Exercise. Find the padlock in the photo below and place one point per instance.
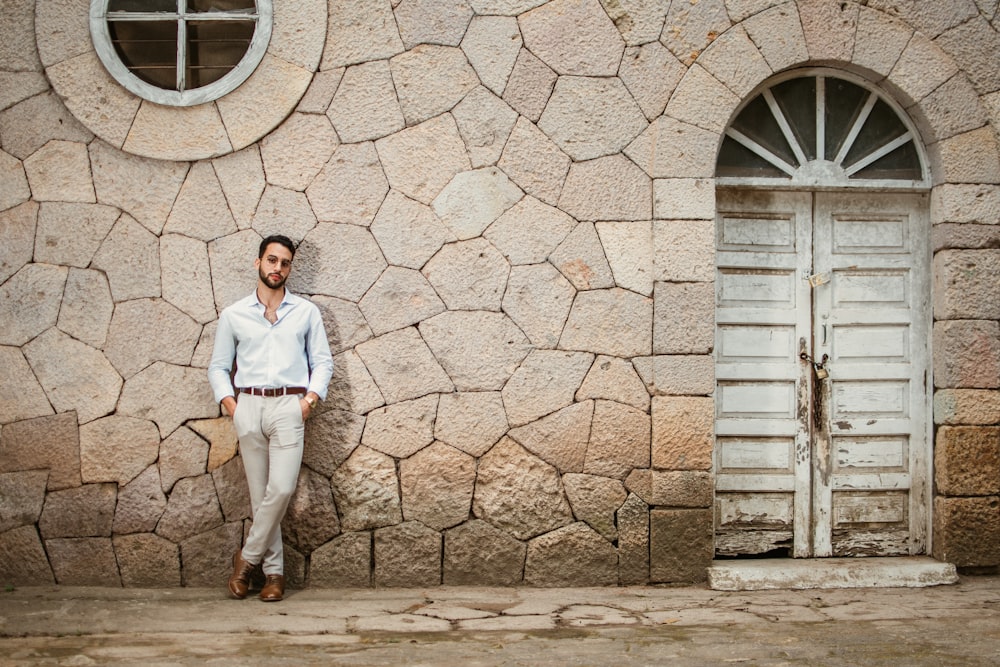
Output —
(822, 373)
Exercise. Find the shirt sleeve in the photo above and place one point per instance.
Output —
(221, 364)
(318, 354)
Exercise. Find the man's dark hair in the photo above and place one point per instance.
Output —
(280, 240)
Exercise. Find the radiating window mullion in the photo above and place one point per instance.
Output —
(786, 129)
(181, 52)
(859, 123)
(878, 154)
(820, 117)
(752, 145)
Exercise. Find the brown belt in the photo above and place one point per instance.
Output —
(271, 393)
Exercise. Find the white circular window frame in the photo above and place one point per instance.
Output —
(138, 126)
(231, 81)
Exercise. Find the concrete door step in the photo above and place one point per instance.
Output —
(768, 573)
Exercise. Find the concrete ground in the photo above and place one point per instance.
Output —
(467, 627)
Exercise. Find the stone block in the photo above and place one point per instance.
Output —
(24, 560)
(595, 500)
(296, 151)
(22, 495)
(130, 256)
(471, 421)
(538, 299)
(777, 32)
(965, 284)
(21, 395)
(51, 443)
(574, 555)
(561, 438)
(640, 483)
(534, 162)
(437, 484)
(485, 123)
(829, 28)
(682, 488)
(399, 298)
(115, 174)
(320, 93)
(683, 430)
(967, 354)
(967, 460)
(338, 260)
(613, 322)
(632, 519)
(407, 555)
(478, 554)
(491, 44)
(580, 258)
(29, 302)
(350, 188)
(678, 374)
(117, 449)
(959, 203)
(60, 172)
(201, 211)
(146, 330)
(629, 249)
(343, 562)
(288, 212)
(650, 72)
(967, 531)
(403, 367)
(479, 350)
(331, 436)
(529, 231)
(241, 175)
(614, 379)
(360, 32)
(469, 275)
(529, 86)
(353, 388)
(184, 133)
(965, 236)
(17, 222)
(573, 37)
(366, 490)
(681, 545)
(921, 68)
(971, 157)
(140, 503)
(32, 123)
(232, 268)
(683, 318)
(701, 99)
(735, 60)
(474, 199)
(87, 307)
(684, 250)
(192, 509)
(971, 42)
(930, 18)
(518, 492)
(689, 28)
(231, 487)
(684, 198)
(311, 519)
(421, 160)
(966, 406)
(83, 561)
(951, 109)
(402, 428)
(880, 40)
(670, 148)
(147, 561)
(546, 381)
(207, 558)
(430, 79)
(408, 232)
(591, 117)
(619, 440)
(607, 188)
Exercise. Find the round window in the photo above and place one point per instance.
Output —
(180, 52)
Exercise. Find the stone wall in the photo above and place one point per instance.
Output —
(505, 210)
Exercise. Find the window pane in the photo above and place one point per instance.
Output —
(844, 102)
(881, 127)
(148, 49)
(142, 6)
(220, 5)
(797, 101)
(903, 163)
(735, 160)
(757, 122)
(214, 48)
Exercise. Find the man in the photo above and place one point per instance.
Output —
(283, 367)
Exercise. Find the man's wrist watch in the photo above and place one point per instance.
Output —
(312, 402)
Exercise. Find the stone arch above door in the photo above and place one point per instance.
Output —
(924, 79)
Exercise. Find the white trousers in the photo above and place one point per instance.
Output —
(271, 433)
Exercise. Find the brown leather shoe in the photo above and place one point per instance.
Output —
(239, 582)
(274, 588)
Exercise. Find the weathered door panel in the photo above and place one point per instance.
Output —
(834, 466)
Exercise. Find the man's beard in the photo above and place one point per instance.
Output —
(267, 280)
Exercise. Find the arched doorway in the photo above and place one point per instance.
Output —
(822, 324)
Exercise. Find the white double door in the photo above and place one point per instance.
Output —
(834, 460)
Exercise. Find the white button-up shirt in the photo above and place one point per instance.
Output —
(292, 352)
